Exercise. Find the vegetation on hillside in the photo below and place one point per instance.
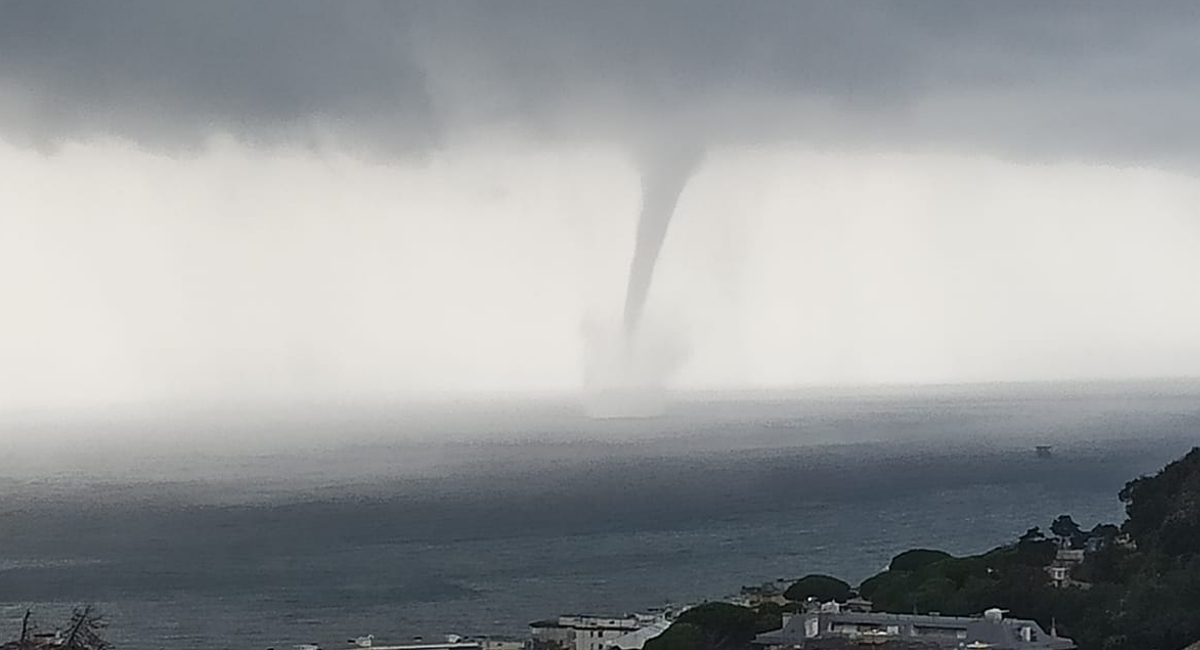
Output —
(1142, 593)
(1138, 587)
(716, 626)
(818, 587)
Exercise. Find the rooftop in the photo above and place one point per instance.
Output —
(993, 629)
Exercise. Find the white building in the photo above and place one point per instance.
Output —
(578, 632)
(637, 639)
(991, 630)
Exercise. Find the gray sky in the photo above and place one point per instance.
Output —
(1067, 79)
(291, 201)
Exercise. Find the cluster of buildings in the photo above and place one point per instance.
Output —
(1066, 560)
(1071, 554)
(767, 592)
(833, 626)
(579, 632)
(450, 642)
(828, 626)
(567, 632)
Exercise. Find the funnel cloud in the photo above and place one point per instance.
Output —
(302, 202)
(625, 376)
(665, 174)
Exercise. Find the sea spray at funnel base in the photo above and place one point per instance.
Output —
(626, 372)
(626, 378)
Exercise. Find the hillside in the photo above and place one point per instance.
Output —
(1137, 587)
(1130, 587)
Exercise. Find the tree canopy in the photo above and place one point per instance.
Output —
(716, 626)
(1164, 510)
(1138, 596)
(1034, 534)
(917, 558)
(1066, 530)
(820, 587)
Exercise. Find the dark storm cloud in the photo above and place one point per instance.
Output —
(169, 73)
(1109, 80)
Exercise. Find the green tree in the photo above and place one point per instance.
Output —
(680, 636)
(1164, 510)
(917, 558)
(1065, 528)
(714, 626)
(1032, 535)
(820, 587)
(1105, 533)
(885, 585)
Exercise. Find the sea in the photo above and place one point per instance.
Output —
(476, 519)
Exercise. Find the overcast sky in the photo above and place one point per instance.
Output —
(270, 202)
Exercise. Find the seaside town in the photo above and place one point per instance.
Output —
(849, 622)
(1071, 588)
(818, 612)
(809, 622)
(828, 625)
(1068, 587)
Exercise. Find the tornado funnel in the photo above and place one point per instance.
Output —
(665, 172)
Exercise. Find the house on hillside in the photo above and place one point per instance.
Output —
(636, 640)
(767, 592)
(1065, 561)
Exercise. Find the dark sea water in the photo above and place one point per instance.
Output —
(502, 516)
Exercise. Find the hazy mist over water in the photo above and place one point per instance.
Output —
(366, 441)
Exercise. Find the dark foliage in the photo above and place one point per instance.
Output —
(1066, 530)
(917, 558)
(1034, 534)
(717, 626)
(821, 587)
(1139, 596)
(1164, 510)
